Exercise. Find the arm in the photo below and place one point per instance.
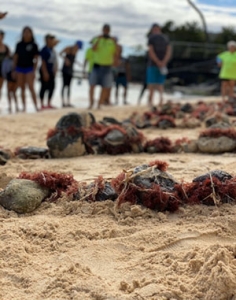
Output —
(44, 71)
(3, 15)
(153, 56)
(63, 52)
(167, 56)
(95, 45)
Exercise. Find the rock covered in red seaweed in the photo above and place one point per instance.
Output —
(219, 174)
(66, 140)
(149, 185)
(217, 140)
(158, 145)
(56, 183)
(98, 190)
(113, 139)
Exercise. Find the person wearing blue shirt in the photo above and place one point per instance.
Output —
(48, 70)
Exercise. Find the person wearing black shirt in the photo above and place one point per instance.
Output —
(69, 55)
(25, 63)
(48, 70)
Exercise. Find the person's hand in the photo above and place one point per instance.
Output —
(3, 15)
(162, 64)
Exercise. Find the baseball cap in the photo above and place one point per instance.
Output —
(79, 44)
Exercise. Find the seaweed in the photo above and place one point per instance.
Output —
(160, 144)
(218, 132)
(57, 183)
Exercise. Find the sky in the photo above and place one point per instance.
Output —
(72, 20)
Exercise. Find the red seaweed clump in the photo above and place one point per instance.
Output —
(159, 145)
(166, 118)
(210, 191)
(148, 185)
(218, 132)
(57, 183)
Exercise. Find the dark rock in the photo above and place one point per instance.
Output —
(22, 196)
(216, 145)
(164, 124)
(32, 153)
(4, 156)
(221, 175)
(64, 145)
(149, 175)
(68, 140)
(187, 108)
(135, 138)
(114, 137)
(110, 120)
(108, 193)
(75, 120)
(216, 119)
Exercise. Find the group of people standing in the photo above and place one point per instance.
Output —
(106, 65)
(19, 69)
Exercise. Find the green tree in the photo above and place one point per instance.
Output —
(227, 34)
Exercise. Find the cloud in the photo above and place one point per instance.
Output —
(83, 19)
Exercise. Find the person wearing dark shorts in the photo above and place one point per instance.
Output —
(25, 63)
(69, 55)
(48, 71)
(4, 52)
(159, 52)
(105, 51)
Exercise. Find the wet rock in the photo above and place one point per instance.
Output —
(217, 118)
(68, 138)
(165, 124)
(32, 152)
(110, 120)
(75, 120)
(147, 175)
(22, 196)
(135, 138)
(187, 108)
(5, 155)
(219, 174)
(216, 145)
(190, 123)
(115, 137)
(221, 125)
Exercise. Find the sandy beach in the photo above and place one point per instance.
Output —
(76, 250)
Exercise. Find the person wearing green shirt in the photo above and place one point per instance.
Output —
(105, 52)
(227, 62)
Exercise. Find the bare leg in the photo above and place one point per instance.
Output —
(9, 91)
(117, 94)
(91, 96)
(125, 96)
(223, 90)
(14, 87)
(151, 88)
(1, 84)
(104, 96)
(21, 84)
(160, 88)
(30, 82)
(231, 89)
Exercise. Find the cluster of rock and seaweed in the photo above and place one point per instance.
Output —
(149, 185)
(80, 134)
